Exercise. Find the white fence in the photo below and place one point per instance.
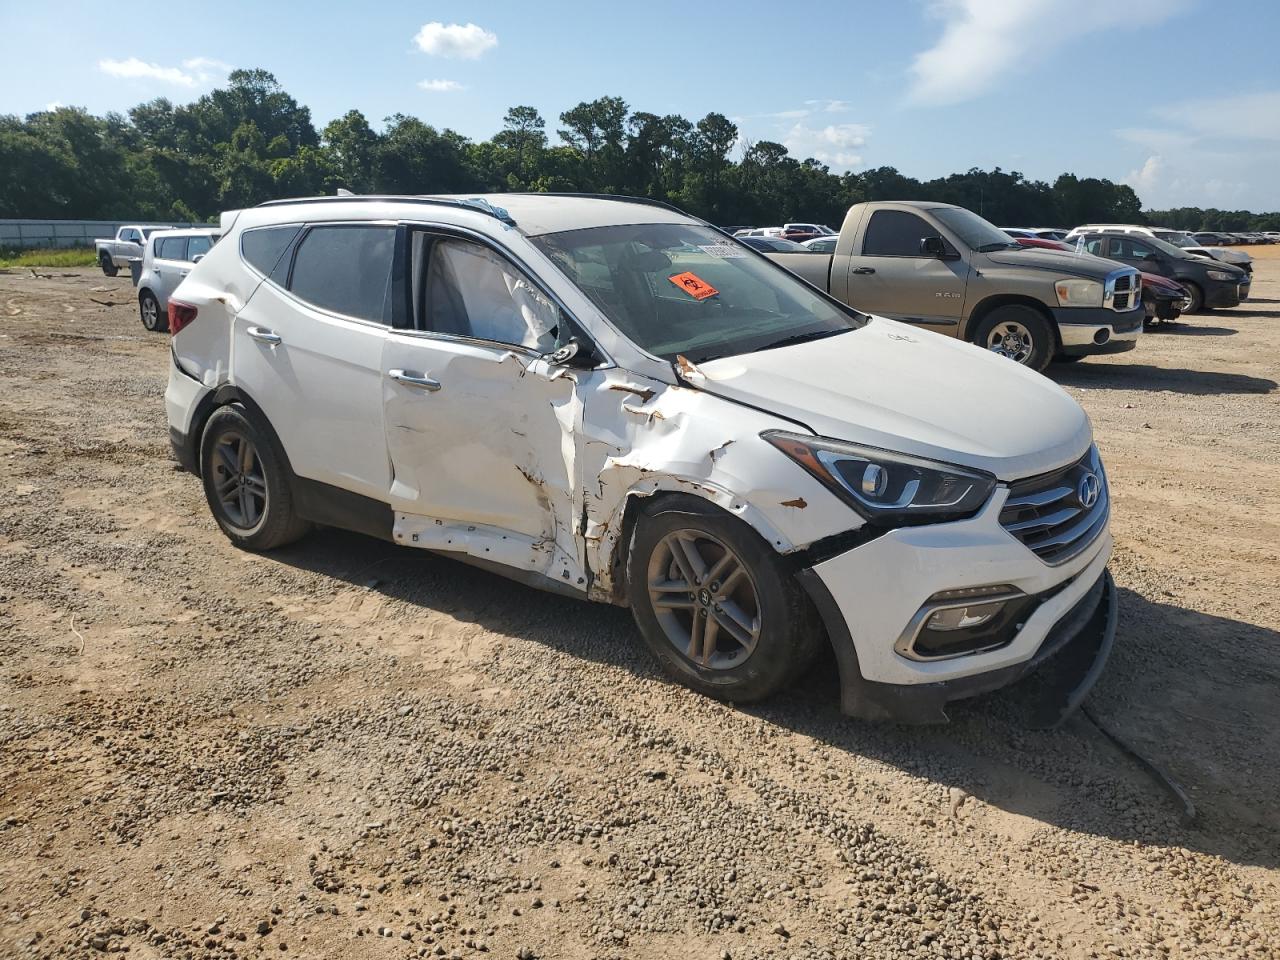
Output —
(22, 234)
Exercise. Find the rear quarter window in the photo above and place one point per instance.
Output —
(263, 249)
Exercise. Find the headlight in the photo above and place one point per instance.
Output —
(1078, 292)
(1220, 275)
(888, 486)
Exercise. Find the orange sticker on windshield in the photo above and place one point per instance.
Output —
(694, 286)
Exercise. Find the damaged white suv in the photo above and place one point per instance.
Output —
(612, 399)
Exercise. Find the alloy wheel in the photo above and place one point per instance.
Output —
(1011, 339)
(239, 482)
(150, 312)
(704, 598)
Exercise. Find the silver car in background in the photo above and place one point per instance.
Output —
(167, 258)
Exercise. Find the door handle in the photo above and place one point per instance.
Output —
(864, 269)
(183, 273)
(263, 335)
(414, 380)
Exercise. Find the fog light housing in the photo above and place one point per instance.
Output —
(953, 623)
(963, 618)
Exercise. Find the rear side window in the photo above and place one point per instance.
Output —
(196, 246)
(262, 248)
(171, 248)
(345, 269)
(895, 233)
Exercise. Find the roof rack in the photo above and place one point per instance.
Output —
(478, 204)
(647, 201)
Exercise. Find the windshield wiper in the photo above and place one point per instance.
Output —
(804, 338)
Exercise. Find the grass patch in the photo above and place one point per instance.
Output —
(48, 258)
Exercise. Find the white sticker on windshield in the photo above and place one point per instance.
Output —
(725, 251)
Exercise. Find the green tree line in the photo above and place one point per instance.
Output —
(250, 141)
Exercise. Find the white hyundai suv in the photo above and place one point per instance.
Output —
(612, 399)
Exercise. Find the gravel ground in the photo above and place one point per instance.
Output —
(348, 749)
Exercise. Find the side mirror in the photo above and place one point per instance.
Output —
(1150, 256)
(136, 240)
(197, 258)
(932, 247)
(578, 354)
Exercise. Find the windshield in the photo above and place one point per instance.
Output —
(681, 289)
(148, 231)
(1176, 238)
(976, 233)
(1165, 247)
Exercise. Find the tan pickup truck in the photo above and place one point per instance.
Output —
(945, 268)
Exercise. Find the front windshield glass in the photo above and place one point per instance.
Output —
(683, 289)
(1177, 239)
(977, 233)
(1164, 246)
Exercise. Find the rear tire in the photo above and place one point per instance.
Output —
(744, 628)
(1019, 333)
(109, 268)
(149, 310)
(246, 482)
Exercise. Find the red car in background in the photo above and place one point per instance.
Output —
(1162, 298)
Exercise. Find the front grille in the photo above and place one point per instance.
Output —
(1122, 291)
(1048, 512)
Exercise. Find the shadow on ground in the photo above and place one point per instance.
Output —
(1194, 693)
(1142, 376)
(1185, 329)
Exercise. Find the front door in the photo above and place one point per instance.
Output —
(890, 276)
(480, 429)
(1138, 254)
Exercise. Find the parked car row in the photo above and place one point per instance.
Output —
(614, 400)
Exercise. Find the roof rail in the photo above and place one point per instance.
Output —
(479, 204)
(647, 201)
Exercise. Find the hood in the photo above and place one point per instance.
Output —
(1066, 262)
(1228, 255)
(893, 386)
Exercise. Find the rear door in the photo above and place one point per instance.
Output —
(307, 348)
(168, 266)
(889, 276)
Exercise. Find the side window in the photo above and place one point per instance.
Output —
(129, 235)
(895, 233)
(262, 249)
(1137, 250)
(470, 291)
(345, 269)
(1094, 246)
(198, 246)
(171, 248)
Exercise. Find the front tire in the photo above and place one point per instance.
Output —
(149, 311)
(1196, 295)
(247, 483)
(715, 604)
(109, 268)
(1019, 333)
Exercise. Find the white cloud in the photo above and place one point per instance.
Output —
(455, 40)
(441, 86)
(1248, 116)
(199, 70)
(54, 105)
(1147, 178)
(829, 106)
(836, 144)
(135, 69)
(983, 40)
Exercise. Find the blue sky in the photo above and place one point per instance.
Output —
(1179, 98)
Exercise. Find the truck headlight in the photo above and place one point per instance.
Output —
(882, 485)
(1078, 292)
(1219, 275)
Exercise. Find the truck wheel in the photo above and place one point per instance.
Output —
(1019, 333)
(717, 608)
(247, 483)
(149, 309)
(1195, 295)
(104, 261)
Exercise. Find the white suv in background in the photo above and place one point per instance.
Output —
(167, 258)
(611, 399)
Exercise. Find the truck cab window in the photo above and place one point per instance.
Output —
(895, 233)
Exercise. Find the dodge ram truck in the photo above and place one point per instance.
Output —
(116, 252)
(946, 269)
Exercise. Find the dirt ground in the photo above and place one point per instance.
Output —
(349, 749)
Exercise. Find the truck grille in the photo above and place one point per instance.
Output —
(1123, 290)
(1048, 513)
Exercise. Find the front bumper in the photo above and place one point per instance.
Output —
(867, 595)
(1088, 331)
